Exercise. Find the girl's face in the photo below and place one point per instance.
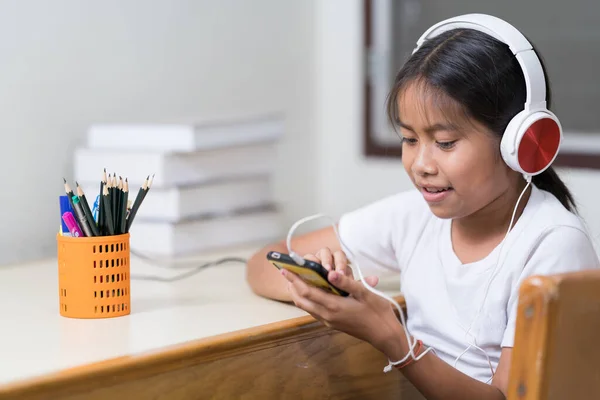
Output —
(453, 160)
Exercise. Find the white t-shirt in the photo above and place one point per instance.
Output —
(443, 295)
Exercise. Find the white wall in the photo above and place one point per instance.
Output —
(585, 187)
(346, 178)
(66, 64)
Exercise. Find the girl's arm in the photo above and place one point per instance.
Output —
(436, 379)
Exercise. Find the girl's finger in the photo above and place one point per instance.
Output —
(317, 296)
(325, 258)
(314, 309)
(341, 281)
(341, 263)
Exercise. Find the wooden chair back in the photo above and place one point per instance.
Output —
(557, 339)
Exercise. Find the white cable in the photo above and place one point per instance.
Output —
(169, 262)
(299, 260)
(187, 274)
(492, 276)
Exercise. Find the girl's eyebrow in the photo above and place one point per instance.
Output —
(431, 129)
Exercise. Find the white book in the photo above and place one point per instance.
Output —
(179, 203)
(175, 169)
(185, 136)
(163, 239)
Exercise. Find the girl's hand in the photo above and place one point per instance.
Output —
(362, 314)
(331, 261)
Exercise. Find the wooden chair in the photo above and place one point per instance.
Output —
(557, 339)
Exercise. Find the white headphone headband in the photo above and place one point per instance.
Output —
(535, 80)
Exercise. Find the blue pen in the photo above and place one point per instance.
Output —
(65, 206)
(95, 208)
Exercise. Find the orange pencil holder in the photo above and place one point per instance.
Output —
(93, 276)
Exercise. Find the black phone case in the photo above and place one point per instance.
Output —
(277, 257)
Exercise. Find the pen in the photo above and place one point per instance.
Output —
(65, 205)
(72, 224)
(95, 208)
(80, 214)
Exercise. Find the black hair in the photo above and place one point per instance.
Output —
(481, 75)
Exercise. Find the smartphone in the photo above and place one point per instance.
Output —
(311, 272)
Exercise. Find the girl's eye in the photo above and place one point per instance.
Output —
(409, 140)
(446, 145)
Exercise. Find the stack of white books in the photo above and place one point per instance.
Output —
(212, 184)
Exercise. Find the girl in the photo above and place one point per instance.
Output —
(463, 241)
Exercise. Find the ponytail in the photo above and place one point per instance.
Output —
(551, 182)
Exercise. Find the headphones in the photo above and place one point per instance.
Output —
(533, 137)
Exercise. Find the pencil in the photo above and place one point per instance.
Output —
(150, 180)
(119, 206)
(129, 204)
(69, 192)
(116, 203)
(101, 218)
(87, 211)
(148, 189)
(123, 210)
(150, 183)
(107, 211)
(113, 198)
(136, 204)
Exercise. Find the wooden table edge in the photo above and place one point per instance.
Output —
(169, 358)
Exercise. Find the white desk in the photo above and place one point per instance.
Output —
(36, 340)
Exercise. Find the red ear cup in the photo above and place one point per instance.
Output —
(539, 145)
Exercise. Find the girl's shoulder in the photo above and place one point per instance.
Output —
(548, 213)
(556, 236)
